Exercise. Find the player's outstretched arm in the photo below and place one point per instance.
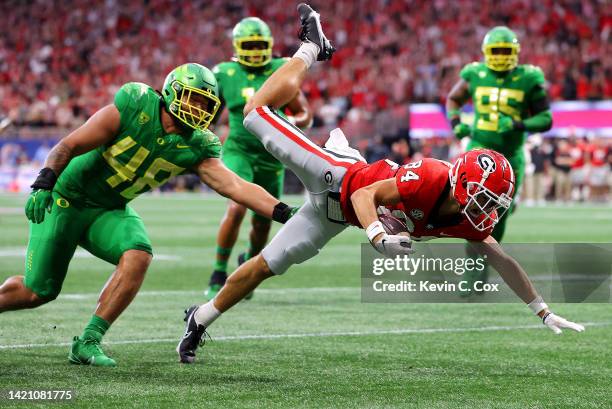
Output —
(284, 84)
(225, 182)
(516, 278)
(98, 130)
(365, 201)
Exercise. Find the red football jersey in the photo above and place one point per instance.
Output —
(599, 156)
(423, 187)
(578, 152)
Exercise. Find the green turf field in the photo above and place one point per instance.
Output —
(305, 340)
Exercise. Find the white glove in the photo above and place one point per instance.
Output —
(393, 245)
(390, 245)
(555, 323)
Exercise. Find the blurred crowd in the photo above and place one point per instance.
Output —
(60, 61)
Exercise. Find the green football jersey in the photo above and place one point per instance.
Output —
(236, 85)
(141, 157)
(510, 94)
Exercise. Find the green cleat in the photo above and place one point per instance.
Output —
(88, 352)
(212, 291)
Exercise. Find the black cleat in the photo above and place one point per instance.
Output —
(192, 339)
(311, 31)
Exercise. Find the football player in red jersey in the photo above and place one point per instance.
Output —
(463, 200)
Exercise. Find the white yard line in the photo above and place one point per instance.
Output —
(81, 296)
(315, 335)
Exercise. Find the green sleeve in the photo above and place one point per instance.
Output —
(541, 120)
(127, 99)
(536, 84)
(536, 76)
(210, 146)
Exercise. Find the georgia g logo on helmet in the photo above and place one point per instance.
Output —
(486, 163)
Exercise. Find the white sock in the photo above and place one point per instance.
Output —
(308, 53)
(207, 314)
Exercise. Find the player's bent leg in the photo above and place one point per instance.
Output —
(241, 283)
(282, 86)
(300, 239)
(284, 83)
(116, 295)
(123, 285)
(14, 295)
(258, 237)
(316, 168)
(51, 245)
(119, 237)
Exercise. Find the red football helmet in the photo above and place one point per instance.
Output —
(483, 184)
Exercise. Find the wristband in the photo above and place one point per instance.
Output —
(281, 213)
(537, 305)
(374, 230)
(46, 179)
(453, 113)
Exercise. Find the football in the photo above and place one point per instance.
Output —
(392, 224)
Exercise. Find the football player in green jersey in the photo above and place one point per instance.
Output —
(509, 101)
(80, 196)
(242, 152)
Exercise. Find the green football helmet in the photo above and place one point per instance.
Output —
(190, 95)
(501, 49)
(253, 42)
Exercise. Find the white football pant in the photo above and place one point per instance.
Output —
(320, 170)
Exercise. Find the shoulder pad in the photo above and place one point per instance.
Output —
(536, 74)
(131, 95)
(222, 67)
(207, 143)
(468, 70)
